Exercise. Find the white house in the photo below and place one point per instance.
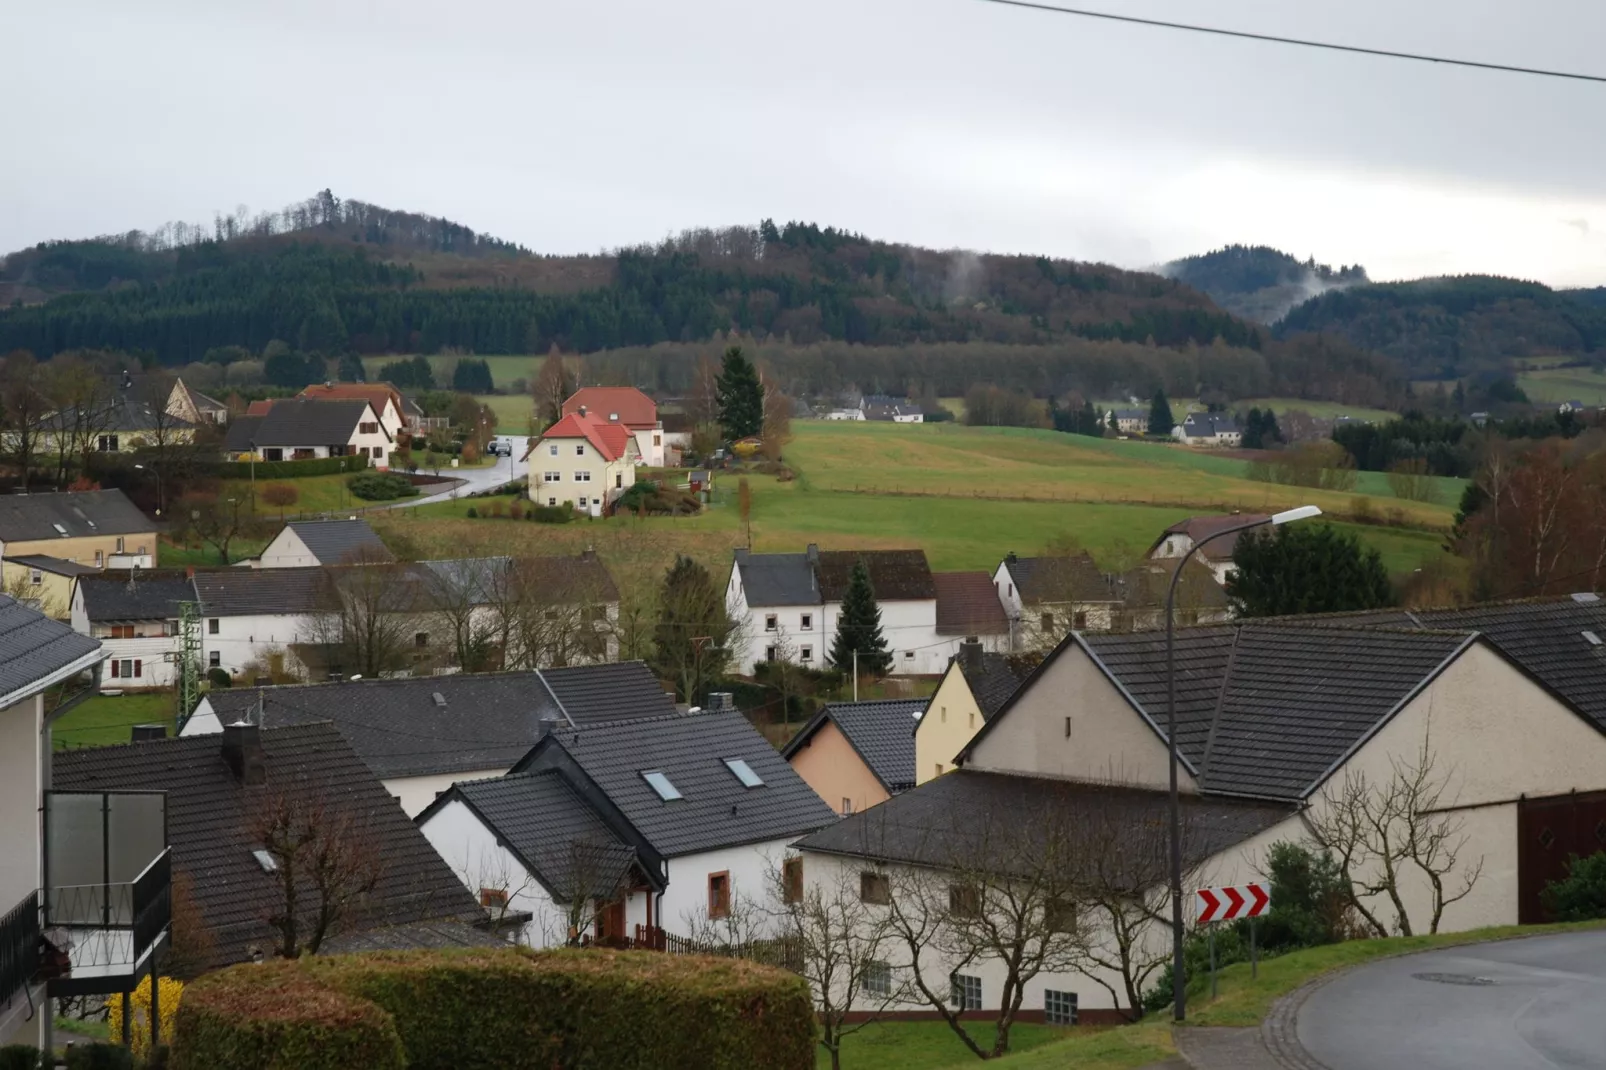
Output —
(1183, 537)
(135, 616)
(629, 830)
(421, 734)
(1128, 421)
(885, 409)
(305, 543)
(302, 428)
(790, 604)
(252, 618)
(1503, 706)
(1047, 596)
(1208, 429)
(385, 400)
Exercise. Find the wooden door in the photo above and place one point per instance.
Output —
(611, 921)
(1549, 832)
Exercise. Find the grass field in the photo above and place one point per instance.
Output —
(512, 412)
(504, 368)
(1321, 409)
(103, 719)
(922, 1045)
(1556, 385)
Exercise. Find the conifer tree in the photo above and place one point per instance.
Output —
(741, 396)
(1305, 569)
(859, 627)
(1160, 420)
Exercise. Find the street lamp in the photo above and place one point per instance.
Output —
(1179, 994)
(158, 471)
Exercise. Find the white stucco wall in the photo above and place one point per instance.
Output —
(21, 797)
(154, 654)
(473, 853)
(416, 792)
(240, 640)
(287, 550)
(686, 896)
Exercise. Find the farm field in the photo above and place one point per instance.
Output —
(504, 367)
(1564, 384)
(1321, 409)
(512, 411)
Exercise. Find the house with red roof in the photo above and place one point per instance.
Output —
(584, 460)
(628, 407)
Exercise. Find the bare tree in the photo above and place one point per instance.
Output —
(214, 520)
(24, 411)
(374, 607)
(21, 587)
(552, 387)
(324, 864)
(456, 594)
(83, 399)
(702, 401)
(777, 427)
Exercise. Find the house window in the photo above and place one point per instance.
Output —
(580, 450)
(805, 653)
(119, 544)
(212, 626)
(972, 717)
(908, 655)
(1059, 1008)
(875, 888)
(1059, 916)
(368, 427)
(939, 769)
(128, 668)
(657, 440)
(719, 895)
(806, 622)
(877, 979)
(552, 501)
(618, 480)
(847, 806)
(553, 450)
(36, 577)
(769, 653)
(584, 501)
(1080, 620)
(420, 638)
(944, 713)
(582, 477)
(100, 559)
(108, 443)
(744, 772)
(379, 451)
(214, 660)
(792, 880)
(965, 993)
(661, 784)
(552, 477)
(769, 622)
(122, 631)
(1012, 590)
(493, 897)
(964, 900)
(1048, 622)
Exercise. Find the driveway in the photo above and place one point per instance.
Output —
(1532, 1004)
(505, 470)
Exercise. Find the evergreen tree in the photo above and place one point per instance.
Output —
(1305, 569)
(690, 638)
(472, 377)
(859, 627)
(741, 396)
(351, 370)
(1160, 421)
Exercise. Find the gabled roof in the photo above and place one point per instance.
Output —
(967, 604)
(894, 574)
(608, 692)
(883, 407)
(376, 394)
(610, 440)
(715, 809)
(1059, 579)
(633, 408)
(777, 579)
(335, 542)
(29, 517)
(210, 813)
(56, 565)
(199, 400)
(35, 649)
(882, 733)
(125, 414)
(1200, 528)
(299, 422)
(997, 679)
(238, 592)
(136, 595)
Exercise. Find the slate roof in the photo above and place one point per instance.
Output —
(135, 596)
(571, 579)
(777, 579)
(634, 408)
(881, 733)
(199, 400)
(238, 592)
(126, 415)
(716, 810)
(299, 422)
(894, 574)
(335, 542)
(29, 517)
(561, 839)
(45, 563)
(608, 692)
(1200, 424)
(967, 604)
(32, 647)
(968, 817)
(413, 936)
(1070, 578)
(1268, 710)
(998, 678)
(1200, 528)
(883, 407)
(210, 813)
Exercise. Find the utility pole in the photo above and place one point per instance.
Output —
(189, 666)
(855, 674)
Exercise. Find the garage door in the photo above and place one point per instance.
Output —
(1549, 832)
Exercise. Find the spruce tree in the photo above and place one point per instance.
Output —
(1160, 421)
(1305, 568)
(351, 370)
(859, 627)
(741, 396)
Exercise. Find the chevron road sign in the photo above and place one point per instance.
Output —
(1232, 902)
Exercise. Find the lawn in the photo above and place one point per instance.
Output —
(925, 1044)
(103, 719)
(513, 412)
(1555, 385)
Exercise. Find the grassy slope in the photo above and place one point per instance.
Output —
(103, 719)
(1320, 409)
(1564, 384)
(920, 1045)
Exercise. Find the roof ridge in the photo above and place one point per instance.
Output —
(1221, 701)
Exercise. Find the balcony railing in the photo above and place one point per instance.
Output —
(19, 948)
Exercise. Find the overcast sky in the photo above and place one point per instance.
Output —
(570, 127)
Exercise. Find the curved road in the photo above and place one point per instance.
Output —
(505, 470)
(1532, 1004)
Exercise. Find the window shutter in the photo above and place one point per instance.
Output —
(136, 666)
(114, 668)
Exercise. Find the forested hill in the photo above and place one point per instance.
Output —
(1450, 327)
(1257, 282)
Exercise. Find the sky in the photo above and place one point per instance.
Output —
(581, 126)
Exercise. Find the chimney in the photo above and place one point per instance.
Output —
(143, 732)
(1010, 558)
(812, 554)
(970, 660)
(242, 749)
(721, 700)
(582, 410)
(550, 723)
(189, 572)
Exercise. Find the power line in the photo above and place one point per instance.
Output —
(1300, 42)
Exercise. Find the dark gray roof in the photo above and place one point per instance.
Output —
(127, 415)
(200, 400)
(968, 818)
(135, 595)
(777, 579)
(715, 810)
(565, 843)
(56, 565)
(237, 592)
(1067, 578)
(335, 542)
(1268, 710)
(210, 814)
(27, 517)
(894, 574)
(999, 678)
(413, 936)
(298, 422)
(32, 647)
(609, 692)
(882, 733)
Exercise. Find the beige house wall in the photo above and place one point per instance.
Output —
(582, 472)
(53, 591)
(829, 764)
(1074, 723)
(952, 717)
(82, 550)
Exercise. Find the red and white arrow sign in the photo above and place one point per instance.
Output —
(1231, 902)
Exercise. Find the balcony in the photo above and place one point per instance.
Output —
(108, 879)
(19, 950)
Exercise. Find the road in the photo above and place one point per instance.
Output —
(1532, 1004)
(505, 470)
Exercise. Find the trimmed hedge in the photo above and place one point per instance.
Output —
(381, 486)
(321, 466)
(569, 1009)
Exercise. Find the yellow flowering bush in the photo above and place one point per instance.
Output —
(140, 1007)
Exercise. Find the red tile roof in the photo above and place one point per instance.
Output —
(260, 408)
(376, 394)
(967, 604)
(633, 408)
(610, 440)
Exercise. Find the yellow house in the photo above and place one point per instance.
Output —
(857, 754)
(43, 583)
(976, 686)
(583, 461)
(101, 528)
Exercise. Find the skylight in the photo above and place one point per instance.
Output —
(1592, 639)
(268, 863)
(660, 783)
(60, 530)
(744, 773)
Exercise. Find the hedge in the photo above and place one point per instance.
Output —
(320, 466)
(568, 1009)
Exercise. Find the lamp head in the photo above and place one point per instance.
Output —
(1304, 512)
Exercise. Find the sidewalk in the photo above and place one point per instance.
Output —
(1272, 1045)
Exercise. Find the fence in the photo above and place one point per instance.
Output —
(19, 948)
(782, 952)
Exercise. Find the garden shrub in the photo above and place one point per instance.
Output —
(381, 486)
(473, 513)
(139, 1032)
(320, 466)
(551, 514)
(578, 1010)
(1581, 895)
(19, 1057)
(219, 677)
(99, 1056)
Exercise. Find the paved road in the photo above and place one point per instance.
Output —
(1532, 1004)
(505, 470)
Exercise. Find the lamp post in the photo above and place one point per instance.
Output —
(157, 469)
(1179, 994)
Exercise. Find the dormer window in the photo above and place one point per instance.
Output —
(744, 773)
(661, 784)
(613, 417)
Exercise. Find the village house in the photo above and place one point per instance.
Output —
(977, 684)
(885, 409)
(1044, 597)
(968, 606)
(790, 604)
(643, 829)
(135, 616)
(421, 734)
(251, 617)
(126, 423)
(383, 398)
(629, 407)
(101, 528)
(1208, 429)
(1185, 536)
(306, 543)
(582, 460)
(194, 407)
(1499, 710)
(45, 583)
(300, 429)
(857, 754)
(1127, 421)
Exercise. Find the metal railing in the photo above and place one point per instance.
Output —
(152, 903)
(19, 948)
(781, 952)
